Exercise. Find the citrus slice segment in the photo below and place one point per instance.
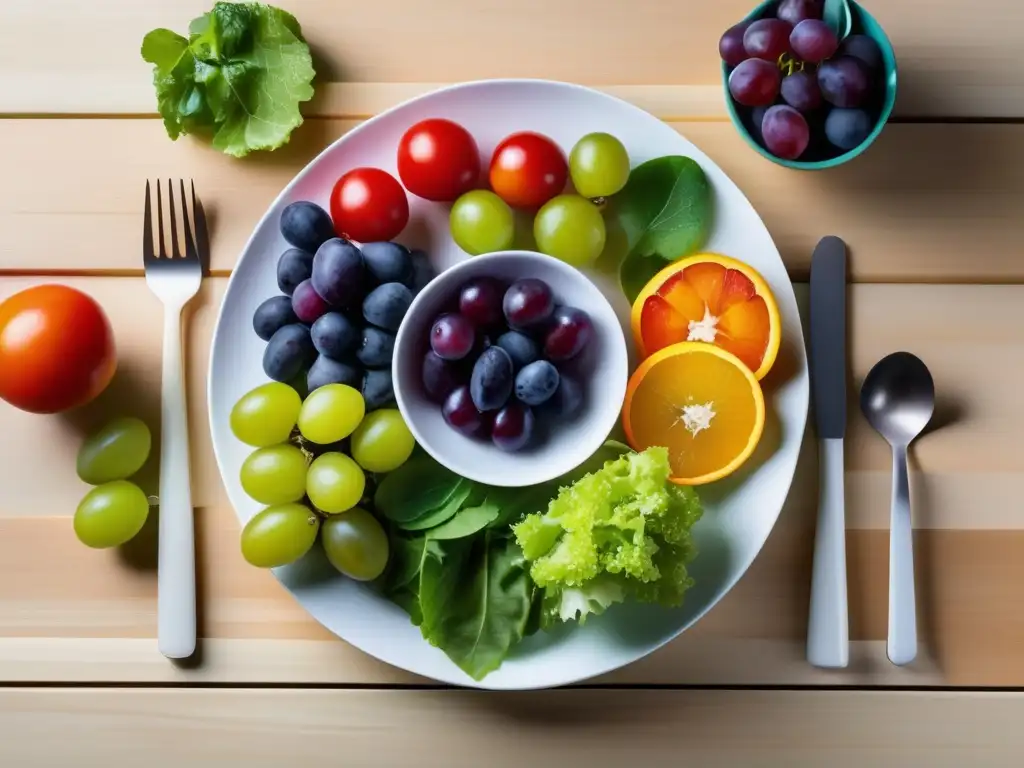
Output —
(712, 299)
(699, 401)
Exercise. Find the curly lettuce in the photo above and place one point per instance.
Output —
(620, 532)
(238, 78)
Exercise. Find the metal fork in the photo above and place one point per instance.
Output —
(175, 280)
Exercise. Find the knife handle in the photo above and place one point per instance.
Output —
(828, 636)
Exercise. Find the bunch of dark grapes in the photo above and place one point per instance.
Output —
(803, 94)
(339, 308)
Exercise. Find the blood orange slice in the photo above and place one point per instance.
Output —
(713, 299)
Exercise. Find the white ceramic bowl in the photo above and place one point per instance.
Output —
(602, 369)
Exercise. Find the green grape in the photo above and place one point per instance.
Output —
(598, 165)
(383, 442)
(111, 514)
(266, 415)
(330, 413)
(275, 474)
(482, 222)
(570, 228)
(335, 482)
(115, 452)
(279, 535)
(356, 544)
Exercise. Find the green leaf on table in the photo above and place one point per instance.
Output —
(466, 522)
(665, 212)
(443, 513)
(237, 80)
(415, 488)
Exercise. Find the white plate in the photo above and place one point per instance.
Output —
(740, 511)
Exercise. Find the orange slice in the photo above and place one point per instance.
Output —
(699, 401)
(712, 299)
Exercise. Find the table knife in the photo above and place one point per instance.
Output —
(828, 640)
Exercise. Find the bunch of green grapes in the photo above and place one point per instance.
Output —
(309, 469)
(114, 511)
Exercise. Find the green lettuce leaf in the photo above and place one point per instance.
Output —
(238, 79)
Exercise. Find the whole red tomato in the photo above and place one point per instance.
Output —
(527, 170)
(438, 160)
(369, 205)
(56, 349)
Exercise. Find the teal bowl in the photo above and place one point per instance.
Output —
(863, 24)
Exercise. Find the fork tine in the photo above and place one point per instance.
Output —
(175, 253)
(160, 221)
(190, 246)
(147, 229)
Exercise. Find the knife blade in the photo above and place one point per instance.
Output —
(828, 643)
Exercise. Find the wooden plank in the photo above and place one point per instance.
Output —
(911, 208)
(90, 727)
(954, 63)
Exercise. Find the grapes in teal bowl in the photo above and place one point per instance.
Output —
(810, 84)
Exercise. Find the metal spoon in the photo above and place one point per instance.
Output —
(898, 399)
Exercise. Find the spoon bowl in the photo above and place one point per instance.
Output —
(898, 397)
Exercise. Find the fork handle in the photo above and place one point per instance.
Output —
(176, 574)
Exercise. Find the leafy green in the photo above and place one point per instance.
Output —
(419, 486)
(665, 211)
(618, 532)
(443, 513)
(238, 78)
(467, 521)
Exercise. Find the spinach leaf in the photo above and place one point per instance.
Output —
(237, 80)
(466, 522)
(488, 610)
(443, 513)
(414, 489)
(404, 562)
(443, 569)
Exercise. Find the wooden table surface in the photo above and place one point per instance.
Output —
(932, 217)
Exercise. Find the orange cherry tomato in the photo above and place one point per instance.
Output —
(528, 169)
(56, 349)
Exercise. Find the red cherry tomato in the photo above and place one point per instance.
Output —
(527, 170)
(438, 160)
(56, 349)
(369, 205)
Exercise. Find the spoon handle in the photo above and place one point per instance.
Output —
(902, 644)
(828, 638)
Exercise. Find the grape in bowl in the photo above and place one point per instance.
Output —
(441, 419)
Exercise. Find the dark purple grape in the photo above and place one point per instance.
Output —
(520, 347)
(272, 314)
(386, 305)
(755, 83)
(536, 383)
(795, 11)
(376, 349)
(307, 303)
(800, 90)
(460, 413)
(844, 82)
(293, 267)
(847, 128)
(452, 336)
(388, 262)
(785, 131)
(513, 427)
(863, 48)
(480, 301)
(288, 352)
(813, 40)
(570, 331)
(334, 335)
(338, 273)
(730, 47)
(439, 377)
(756, 118)
(566, 401)
(491, 381)
(767, 39)
(528, 302)
(378, 389)
(327, 370)
(422, 271)
(306, 225)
